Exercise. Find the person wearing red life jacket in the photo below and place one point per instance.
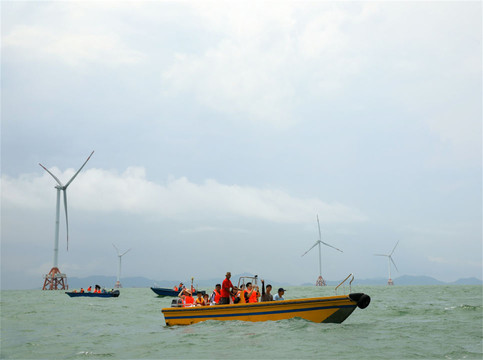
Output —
(251, 293)
(188, 299)
(215, 297)
(89, 289)
(179, 288)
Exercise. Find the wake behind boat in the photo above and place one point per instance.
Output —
(112, 293)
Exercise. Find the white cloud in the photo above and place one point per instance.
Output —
(130, 192)
(255, 65)
(74, 48)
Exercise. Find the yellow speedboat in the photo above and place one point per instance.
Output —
(329, 309)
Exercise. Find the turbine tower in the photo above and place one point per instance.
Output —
(320, 280)
(118, 283)
(389, 260)
(55, 280)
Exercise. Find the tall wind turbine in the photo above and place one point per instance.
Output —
(320, 280)
(55, 279)
(389, 260)
(118, 283)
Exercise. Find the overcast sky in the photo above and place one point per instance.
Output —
(221, 130)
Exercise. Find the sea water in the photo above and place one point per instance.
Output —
(402, 322)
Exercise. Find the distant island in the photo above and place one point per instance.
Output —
(140, 282)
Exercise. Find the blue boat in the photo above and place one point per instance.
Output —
(170, 292)
(113, 293)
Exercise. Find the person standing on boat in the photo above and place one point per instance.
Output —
(266, 296)
(279, 296)
(226, 289)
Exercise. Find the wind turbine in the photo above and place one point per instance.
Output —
(118, 283)
(389, 260)
(55, 278)
(320, 280)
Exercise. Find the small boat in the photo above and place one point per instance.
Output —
(328, 309)
(170, 292)
(112, 293)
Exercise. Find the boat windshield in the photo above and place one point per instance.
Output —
(243, 280)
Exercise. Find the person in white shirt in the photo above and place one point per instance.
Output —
(279, 295)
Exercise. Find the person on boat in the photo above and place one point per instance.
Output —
(279, 295)
(235, 296)
(179, 288)
(226, 289)
(251, 293)
(266, 296)
(215, 297)
(206, 300)
(89, 289)
(199, 299)
(82, 290)
(188, 299)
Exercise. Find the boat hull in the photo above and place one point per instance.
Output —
(114, 293)
(332, 309)
(169, 292)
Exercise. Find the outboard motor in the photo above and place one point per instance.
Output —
(361, 299)
(176, 303)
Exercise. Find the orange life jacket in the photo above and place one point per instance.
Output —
(175, 288)
(241, 294)
(89, 288)
(253, 297)
(217, 297)
(188, 300)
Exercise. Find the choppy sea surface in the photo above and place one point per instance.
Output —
(402, 322)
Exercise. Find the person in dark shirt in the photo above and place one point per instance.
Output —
(266, 296)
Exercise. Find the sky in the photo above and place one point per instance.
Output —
(222, 129)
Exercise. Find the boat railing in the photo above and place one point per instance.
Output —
(343, 281)
(243, 280)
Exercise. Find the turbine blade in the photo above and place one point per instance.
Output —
(66, 218)
(380, 255)
(317, 243)
(394, 247)
(333, 247)
(125, 252)
(58, 181)
(318, 224)
(115, 247)
(78, 171)
(393, 263)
